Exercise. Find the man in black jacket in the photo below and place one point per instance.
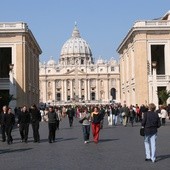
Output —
(52, 119)
(151, 122)
(23, 124)
(35, 119)
(9, 121)
(2, 123)
(70, 112)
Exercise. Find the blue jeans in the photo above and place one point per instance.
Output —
(150, 146)
(86, 132)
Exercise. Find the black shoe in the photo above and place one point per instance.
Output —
(147, 159)
(50, 141)
(3, 140)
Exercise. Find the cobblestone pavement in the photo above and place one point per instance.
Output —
(119, 148)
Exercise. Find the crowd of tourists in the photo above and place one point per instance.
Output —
(89, 116)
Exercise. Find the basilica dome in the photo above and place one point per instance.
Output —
(76, 48)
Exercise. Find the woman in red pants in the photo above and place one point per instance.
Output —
(95, 118)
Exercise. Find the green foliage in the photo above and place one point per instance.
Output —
(163, 96)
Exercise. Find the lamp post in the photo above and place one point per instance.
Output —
(154, 84)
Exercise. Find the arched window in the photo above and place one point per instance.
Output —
(113, 93)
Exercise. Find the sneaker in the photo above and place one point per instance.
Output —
(147, 159)
(85, 142)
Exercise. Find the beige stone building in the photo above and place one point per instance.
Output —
(77, 78)
(19, 64)
(145, 61)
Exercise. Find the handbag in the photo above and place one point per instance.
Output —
(81, 120)
(142, 131)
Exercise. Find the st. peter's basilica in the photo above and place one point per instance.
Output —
(77, 78)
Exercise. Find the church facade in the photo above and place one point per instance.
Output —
(77, 78)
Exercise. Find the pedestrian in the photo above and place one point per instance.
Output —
(70, 112)
(164, 115)
(52, 119)
(150, 123)
(125, 115)
(9, 121)
(132, 115)
(2, 115)
(35, 116)
(58, 112)
(23, 124)
(85, 116)
(96, 118)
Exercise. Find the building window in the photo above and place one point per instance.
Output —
(93, 96)
(68, 70)
(49, 71)
(68, 97)
(82, 61)
(58, 97)
(101, 70)
(92, 69)
(82, 69)
(112, 68)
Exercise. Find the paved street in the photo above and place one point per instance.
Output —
(119, 148)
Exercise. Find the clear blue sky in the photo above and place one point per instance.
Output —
(102, 23)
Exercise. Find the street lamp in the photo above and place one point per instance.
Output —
(154, 84)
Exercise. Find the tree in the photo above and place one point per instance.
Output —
(163, 96)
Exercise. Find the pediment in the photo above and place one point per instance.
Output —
(73, 72)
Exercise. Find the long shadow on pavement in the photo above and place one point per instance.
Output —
(162, 157)
(107, 140)
(3, 151)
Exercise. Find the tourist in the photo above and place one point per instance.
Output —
(4, 111)
(9, 121)
(95, 118)
(52, 119)
(150, 122)
(70, 113)
(164, 115)
(132, 115)
(58, 112)
(125, 114)
(85, 116)
(23, 124)
(35, 119)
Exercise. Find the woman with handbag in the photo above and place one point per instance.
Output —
(85, 120)
(150, 122)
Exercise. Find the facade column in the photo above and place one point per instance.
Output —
(97, 90)
(62, 90)
(65, 90)
(88, 91)
(118, 89)
(85, 89)
(107, 90)
(71, 89)
(54, 91)
(79, 88)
